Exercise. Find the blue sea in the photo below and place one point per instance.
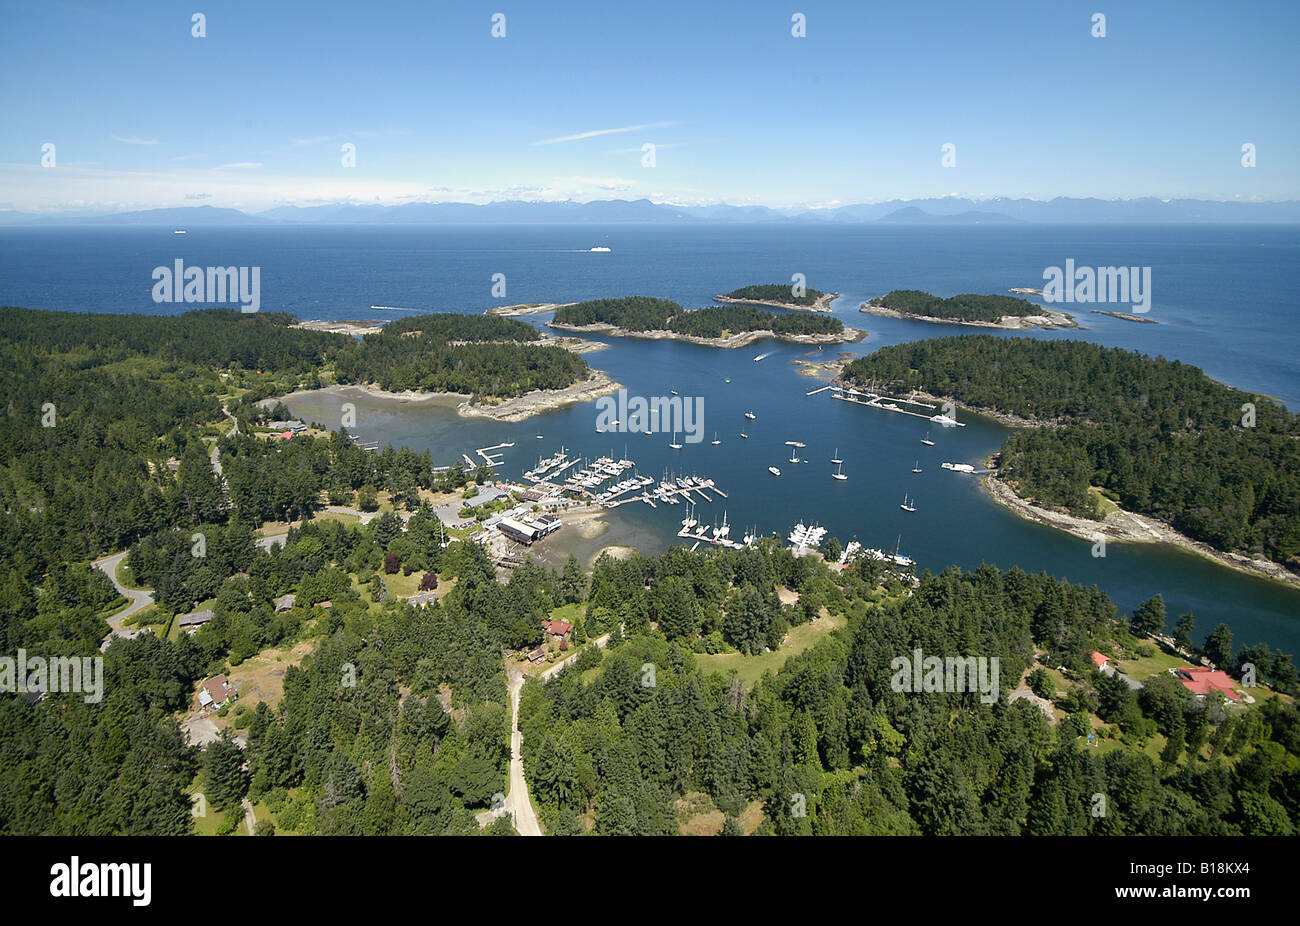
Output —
(1225, 299)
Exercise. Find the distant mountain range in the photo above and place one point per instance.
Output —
(643, 211)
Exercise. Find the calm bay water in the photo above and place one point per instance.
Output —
(1224, 298)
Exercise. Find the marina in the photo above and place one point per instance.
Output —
(892, 404)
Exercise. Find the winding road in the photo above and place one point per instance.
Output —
(140, 598)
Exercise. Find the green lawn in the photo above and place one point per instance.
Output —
(124, 576)
(751, 668)
(1141, 668)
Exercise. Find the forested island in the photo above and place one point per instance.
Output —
(716, 326)
(781, 296)
(991, 311)
(1110, 426)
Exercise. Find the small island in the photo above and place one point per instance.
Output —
(1128, 317)
(779, 296)
(971, 309)
(713, 326)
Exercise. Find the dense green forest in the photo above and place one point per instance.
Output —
(396, 720)
(775, 292)
(1160, 437)
(645, 313)
(969, 307)
(828, 746)
(97, 405)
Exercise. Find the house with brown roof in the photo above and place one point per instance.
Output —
(216, 692)
(557, 630)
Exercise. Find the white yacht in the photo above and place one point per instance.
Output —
(774, 471)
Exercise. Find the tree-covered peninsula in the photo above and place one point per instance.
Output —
(1158, 437)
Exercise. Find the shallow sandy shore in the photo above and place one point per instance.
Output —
(542, 400)
(823, 303)
(829, 370)
(527, 308)
(346, 327)
(516, 409)
(740, 339)
(1125, 527)
(1048, 319)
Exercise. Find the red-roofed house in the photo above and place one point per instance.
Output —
(1201, 680)
(557, 629)
(1098, 660)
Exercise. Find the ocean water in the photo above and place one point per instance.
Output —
(1224, 299)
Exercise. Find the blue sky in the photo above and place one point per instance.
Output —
(142, 114)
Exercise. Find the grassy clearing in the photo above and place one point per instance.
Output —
(1141, 668)
(567, 612)
(751, 668)
(125, 578)
(1102, 501)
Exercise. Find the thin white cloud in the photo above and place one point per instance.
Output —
(240, 165)
(598, 132)
(131, 140)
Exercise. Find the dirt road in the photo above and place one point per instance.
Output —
(518, 804)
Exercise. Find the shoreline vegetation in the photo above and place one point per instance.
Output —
(729, 342)
(968, 309)
(1123, 526)
(1082, 456)
(814, 300)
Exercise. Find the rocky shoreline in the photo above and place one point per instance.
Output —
(1123, 526)
(822, 303)
(1127, 316)
(739, 339)
(1048, 319)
